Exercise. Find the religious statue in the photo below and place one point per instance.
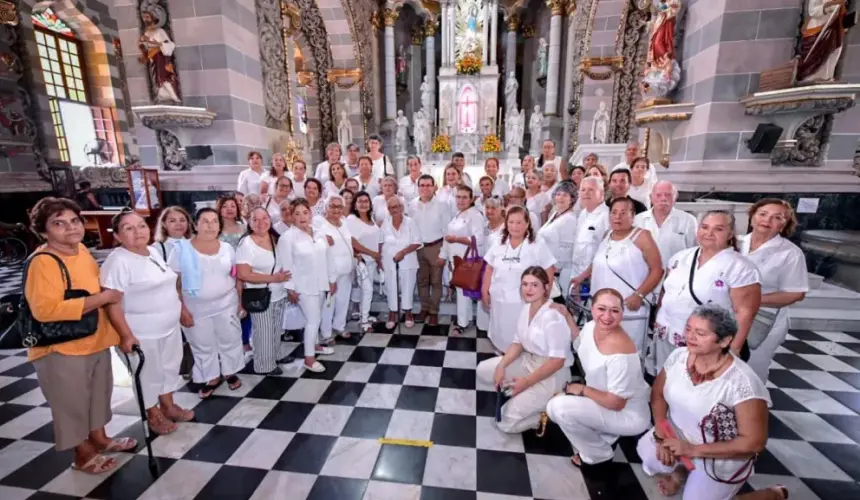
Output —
(536, 130)
(515, 124)
(542, 57)
(426, 96)
(344, 130)
(156, 51)
(421, 132)
(662, 71)
(822, 40)
(400, 66)
(468, 25)
(600, 125)
(511, 87)
(401, 136)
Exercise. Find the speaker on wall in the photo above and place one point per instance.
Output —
(198, 152)
(764, 138)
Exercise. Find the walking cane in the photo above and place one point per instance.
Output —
(153, 465)
(397, 277)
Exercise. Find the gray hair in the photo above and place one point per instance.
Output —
(497, 202)
(721, 320)
(566, 187)
(597, 181)
(391, 179)
(333, 197)
(671, 185)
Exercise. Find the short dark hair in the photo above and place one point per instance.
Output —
(208, 210)
(252, 154)
(426, 177)
(318, 184)
(85, 185)
(458, 155)
(47, 207)
(623, 199)
(622, 171)
(117, 219)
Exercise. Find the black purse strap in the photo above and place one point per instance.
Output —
(67, 279)
(693, 275)
(609, 237)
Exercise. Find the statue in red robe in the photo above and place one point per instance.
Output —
(661, 45)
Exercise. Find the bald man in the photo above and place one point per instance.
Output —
(673, 229)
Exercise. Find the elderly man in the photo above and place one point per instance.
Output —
(591, 226)
(633, 151)
(673, 229)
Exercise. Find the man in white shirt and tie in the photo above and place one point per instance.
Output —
(673, 230)
(432, 217)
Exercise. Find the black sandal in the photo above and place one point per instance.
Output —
(207, 390)
(234, 382)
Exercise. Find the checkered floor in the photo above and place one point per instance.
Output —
(317, 436)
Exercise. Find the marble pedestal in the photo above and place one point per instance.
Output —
(843, 248)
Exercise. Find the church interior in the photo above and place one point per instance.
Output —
(732, 101)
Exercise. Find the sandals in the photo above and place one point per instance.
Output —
(117, 445)
(366, 327)
(98, 464)
(324, 351)
(671, 484)
(233, 382)
(317, 367)
(410, 321)
(160, 424)
(541, 430)
(574, 458)
(178, 414)
(392, 320)
(456, 330)
(207, 390)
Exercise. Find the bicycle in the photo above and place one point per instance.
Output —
(15, 244)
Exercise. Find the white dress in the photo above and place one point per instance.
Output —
(591, 428)
(407, 188)
(688, 405)
(676, 233)
(782, 268)
(505, 301)
(591, 228)
(712, 282)
(341, 263)
(559, 234)
(621, 265)
(546, 337)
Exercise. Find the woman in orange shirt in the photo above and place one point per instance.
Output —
(75, 376)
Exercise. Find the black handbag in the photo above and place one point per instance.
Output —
(26, 331)
(255, 300)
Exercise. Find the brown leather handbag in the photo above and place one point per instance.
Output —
(469, 271)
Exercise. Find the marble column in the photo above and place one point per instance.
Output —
(553, 60)
(443, 28)
(569, 73)
(452, 24)
(485, 30)
(430, 60)
(512, 22)
(416, 71)
(390, 17)
(494, 31)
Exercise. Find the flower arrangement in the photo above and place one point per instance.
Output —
(469, 64)
(441, 144)
(491, 144)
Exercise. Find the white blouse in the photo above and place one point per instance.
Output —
(712, 282)
(689, 404)
(619, 374)
(591, 228)
(492, 237)
(547, 334)
(273, 206)
(330, 188)
(619, 259)
(262, 261)
(641, 193)
(781, 263)
(508, 266)
(366, 234)
(305, 257)
(408, 188)
(341, 256)
(559, 233)
(299, 188)
(380, 207)
(164, 248)
(394, 240)
(249, 182)
(217, 292)
(500, 186)
(270, 181)
(677, 232)
(448, 195)
(467, 223)
(537, 203)
(371, 187)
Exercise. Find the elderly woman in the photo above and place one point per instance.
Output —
(250, 179)
(335, 179)
(784, 279)
(150, 311)
(517, 251)
(613, 401)
(257, 267)
(533, 369)
(491, 168)
(210, 305)
(285, 218)
(303, 250)
(577, 173)
(627, 261)
(408, 185)
(283, 192)
(75, 376)
(517, 197)
(466, 226)
(494, 213)
(550, 178)
(380, 201)
(718, 274)
(717, 408)
(174, 224)
(232, 227)
(400, 239)
(269, 179)
(333, 153)
(341, 263)
(548, 157)
(365, 243)
(559, 232)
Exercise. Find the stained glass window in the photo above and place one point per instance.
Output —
(61, 66)
(48, 20)
(59, 130)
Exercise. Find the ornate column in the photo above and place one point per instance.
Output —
(485, 29)
(569, 70)
(443, 29)
(512, 22)
(494, 31)
(379, 95)
(553, 62)
(430, 56)
(291, 19)
(389, 16)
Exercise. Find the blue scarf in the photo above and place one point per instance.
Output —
(189, 267)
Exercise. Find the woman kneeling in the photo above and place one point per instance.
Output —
(535, 365)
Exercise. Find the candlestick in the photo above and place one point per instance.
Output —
(499, 121)
(437, 119)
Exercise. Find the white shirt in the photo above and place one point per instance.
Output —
(431, 218)
(547, 335)
(781, 264)
(381, 166)
(366, 234)
(371, 187)
(299, 188)
(466, 179)
(318, 209)
(712, 282)
(591, 228)
(408, 188)
(380, 207)
(559, 234)
(330, 188)
(500, 186)
(150, 302)
(448, 194)
(305, 257)
(677, 232)
(555, 161)
(508, 266)
(617, 259)
(249, 182)
(619, 374)
(164, 248)
(321, 172)
(273, 206)
(217, 292)
(641, 193)
(467, 223)
(280, 227)
(270, 181)
(262, 261)
(340, 254)
(492, 237)
(537, 203)
(394, 240)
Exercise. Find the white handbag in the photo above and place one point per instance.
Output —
(294, 318)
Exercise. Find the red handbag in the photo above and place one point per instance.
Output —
(469, 271)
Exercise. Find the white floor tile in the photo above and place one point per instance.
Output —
(176, 444)
(489, 437)
(829, 363)
(818, 402)
(249, 412)
(451, 467)
(396, 356)
(458, 401)
(184, 479)
(803, 460)
(407, 424)
(352, 457)
(554, 478)
(25, 423)
(811, 427)
(328, 420)
(353, 371)
(824, 381)
(16, 454)
(276, 484)
(306, 390)
(261, 449)
(424, 376)
(379, 396)
(383, 490)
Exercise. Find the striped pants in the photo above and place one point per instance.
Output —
(267, 336)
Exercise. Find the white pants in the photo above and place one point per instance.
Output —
(407, 287)
(465, 309)
(160, 373)
(312, 307)
(762, 356)
(366, 287)
(216, 343)
(522, 412)
(482, 318)
(335, 310)
(591, 428)
(698, 486)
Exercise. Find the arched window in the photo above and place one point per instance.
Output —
(60, 55)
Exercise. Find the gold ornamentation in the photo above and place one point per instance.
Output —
(666, 117)
(655, 101)
(556, 7)
(529, 31)
(513, 22)
(390, 16)
(344, 78)
(430, 27)
(376, 20)
(417, 35)
(571, 7)
(305, 78)
(614, 63)
(8, 13)
(292, 13)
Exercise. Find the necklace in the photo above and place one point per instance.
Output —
(698, 377)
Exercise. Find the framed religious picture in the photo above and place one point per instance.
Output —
(144, 189)
(62, 182)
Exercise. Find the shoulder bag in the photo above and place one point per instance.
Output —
(26, 331)
(255, 300)
(469, 271)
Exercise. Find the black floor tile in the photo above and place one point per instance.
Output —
(331, 369)
(848, 424)
(801, 347)
(306, 453)
(426, 357)
(403, 341)
(45, 495)
(628, 447)
(131, 480)
(22, 370)
(783, 402)
(849, 399)
(554, 442)
(6, 442)
(17, 388)
(777, 429)
(366, 354)
(845, 456)
(613, 480)
(454, 430)
(271, 388)
(787, 380)
(341, 488)
(342, 393)
(849, 378)
(231, 482)
(437, 330)
(417, 398)
(388, 374)
(827, 490)
(503, 472)
(44, 434)
(794, 362)
(41, 470)
(462, 344)
(368, 423)
(10, 411)
(400, 464)
(218, 445)
(457, 378)
(433, 493)
(212, 410)
(286, 416)
(486, 403)
(806, 335)
(483, 356)
(766, 463)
